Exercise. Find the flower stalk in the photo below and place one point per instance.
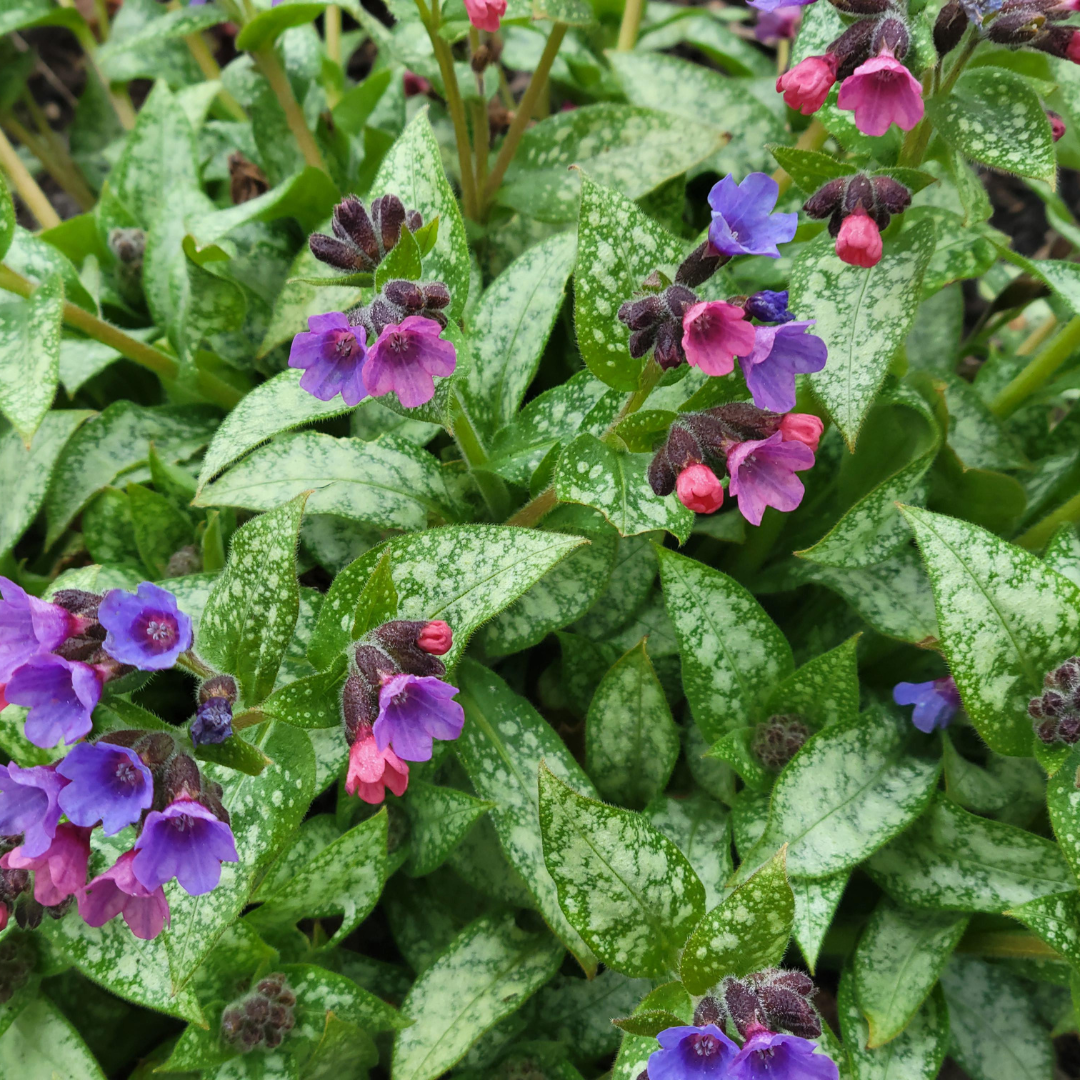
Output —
(267, 62)
(1042, 366)
(27, 187)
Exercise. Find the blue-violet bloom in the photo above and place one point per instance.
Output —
(107, 783)
(60, 694)
(742, 219)
(28, 626)
(936, 702)
(767, 1056)
(333, 354)
(779, 354)
(213, 722)
(185, 841)
(29, 806)
(414, 710)
(692, 1053)
(769, 306)
(772, 5)
(146, 630)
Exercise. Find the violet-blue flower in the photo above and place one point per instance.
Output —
(333, 354)
(60, 694)
(146, 630)
(742, 219)
(768, 1056)
(769, 306)
(185, 841)
(772, 5)
(29, 806)
(28, 626)
(779, 354)
(414, 710)
(692, 1053)
(107, 783)
(936, 702)
(213, 722)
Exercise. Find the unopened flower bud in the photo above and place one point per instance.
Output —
(768, 306)
(709, 1011)
(949, 27)
(891, 34)
(852, 47)
(181, 779)
(806, 86)
(698, 489)
(890, 195)
(802, 427)
(699, 265)
(859, 240)
(480, 59)
(1055, 714)
(436, 637)
(359, 706)
(826, 200)
(362, 240)
(778, 740)
(213, 722)
(1057, 124)
(128, 245)
(414, 84)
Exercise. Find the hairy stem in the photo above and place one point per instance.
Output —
(531, 513)
(201, 54)
(631, 23)
(456, 107)
(492, 487)
(1036, 538)
(1039, 370)
(267, 62)
(26, 185)
(59, 166)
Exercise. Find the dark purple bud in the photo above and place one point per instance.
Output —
(778, 740)
(335, 252)
(413, 220)
(388, 216)
(862, 7)
(668, 349)
(682, 448)
(949, 27)
(351, 222)
(678, 299)
(78, 602)
(699, 265)
(406, 295)
(826, 199)
(1015, 28)
(662, 477)
(769, 306)
(859, 192)
(852, 47)
(359, 706)
(219, 686)
(257, 1008)
(1055, 714)
(709, 1011)
(641, 341)
(212, 723)
(891, 195)
(789, 1011)
(271, 1036)
(1060, 41)
(891, 34)
(180, 779)
(741, 1003)
(436, 295)
(641, 314)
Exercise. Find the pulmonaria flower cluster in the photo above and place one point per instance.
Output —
(1055, 713)
(395, 703)
(936, 702)
(56, 656)
(858, 207)
(261, 1018)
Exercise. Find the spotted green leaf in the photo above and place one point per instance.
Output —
(815, 905)
(439, 818)
(249, 618)
(501, 747)
(7, 218)
(851, 789)
(748, 931)
(1005, 620)
(736, 748)
(627, 589)
(618, 247)
(41, 1044)
(486, 974)
(638, 899)
(1062, 553)
(824, 690)
(898, 961)
(732, 653)
(1055, 919)
(956, 861)
(633, 1056)
(269, 24)
(862, 315)
(700, 828)
(1063, 803)
(30, 356)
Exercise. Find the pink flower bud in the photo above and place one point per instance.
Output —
(1057, 124)
(806, 86)
(859, 241)
(415, 84)
(485, 14)
(1073, 51)
(436, 638)
(802, 427)
(698, 489)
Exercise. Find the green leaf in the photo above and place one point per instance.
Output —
(268, 25)
(618, 247)
(41, 1044)
(635, 1049)
(501, 747)
(810, 169)
(862, 315)
(627, 588)
(161, 529)
(631, 741)
(1056, 920)
(705, 31)
(640, 897)
(824, 690)
(732, 653)
(310, 702)
(848, 791)
(996, 1029)
(1062, 552)
(439, 818)
(620, 146)
(961, 252)
(1005, 620)
(1063, 801)
(956, 861)
(736, 749)
(486, 974)
(30, 356)
(994, 117)
(898, 961)
(402, 262)
(748, 931)
(7, 218)
(700, 828)
(234, 753)
(38, 260)
(251, 613)
(171, 24)
(815, 905)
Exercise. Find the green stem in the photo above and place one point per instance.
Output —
(332, 34)
(535, 509)
(918, 138)
(955, 71)
(27, 187)
(480, 126)
(46, 151)
(211, 69)
(491, 486)
(1039, 370)
(813, 138)
(1036, 538)
(101, 13)
(1005, 943)
(267, 62)
(120, 101)
(631, 23)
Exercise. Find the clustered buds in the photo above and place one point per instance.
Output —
(858, 207)
(397, 301)
(1055, 714)
(778, 740)
(1014, 24)
(774, 1000)
(213, 718)
(656, 322)
(361, 240)
(262, 1017)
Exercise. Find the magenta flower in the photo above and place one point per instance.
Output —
(859, 241)
(29, 806)
(405, 358)
(436, 638)
(774, 5)
(28, 626)
(713, 334)
(333, 354)
(692, 1053)
(107, 783)
(778, 24)
(802, 427)
(60, 694)
(60, 870)
(767, 1056)
(936, 702)
(881, 92)
(742, 219)
(763, 474)
(414, 710)
(779, 354)
(185, 841)
(699, 489)
(372, 771)
(485, 14)
(146, 630)
(119, 892)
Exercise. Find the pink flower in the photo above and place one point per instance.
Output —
(372, 771)
(485, 14)
(802, 427)
(415, 84)
(118, 892)
(713, 333)
(763, 474)
(405, 358)
(1057, 124)
(806, 86)
(698, 489)
(1073, 51)
(436, 638)
(60, 870)
(881, 92)
(859, 240)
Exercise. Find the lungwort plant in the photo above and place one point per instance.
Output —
(538, 540)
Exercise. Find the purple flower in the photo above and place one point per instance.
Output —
(60, 694)
(413, 710)
(107, 783)
(762, 474)
(766, 1056)
(185, 841)
(769, 306)
(60, 870)
(28, 626)
(779, 354)
(772, 5)
(692, 1053)
(936, 702)
(213, 722)
(742, 218)
(405, 358)
(146, 630)
(28, 805)
(778, 24)
(333, 352)
(118, 892)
